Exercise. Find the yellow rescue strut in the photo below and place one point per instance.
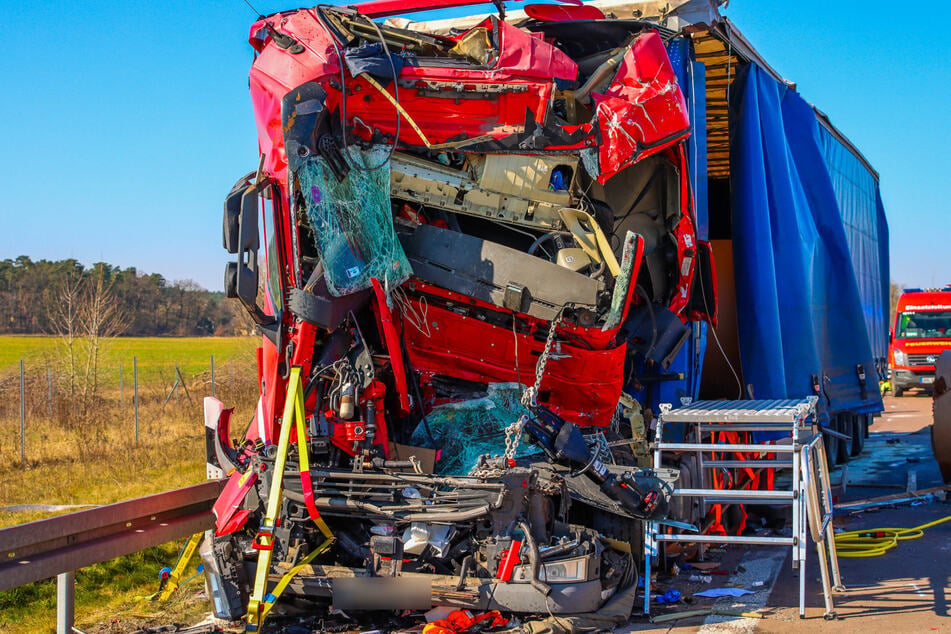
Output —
(261, 600)
(170, 583)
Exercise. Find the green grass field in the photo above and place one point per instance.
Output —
(156, 356)
(99, 463)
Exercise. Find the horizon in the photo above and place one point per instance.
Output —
(168, 126)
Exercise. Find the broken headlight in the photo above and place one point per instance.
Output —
(572, 570)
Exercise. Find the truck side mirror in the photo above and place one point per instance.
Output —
(241, 237)
(891, 335)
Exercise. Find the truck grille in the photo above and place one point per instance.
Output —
(921, 359)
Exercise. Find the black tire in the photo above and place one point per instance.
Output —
(844, 426)
(898, 391)
(831, 443)
(859, 432)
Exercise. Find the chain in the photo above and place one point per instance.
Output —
(513, 438)
(530, 395)
(513, 433)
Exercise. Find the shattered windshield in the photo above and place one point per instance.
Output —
(352, 222)
(932, 324)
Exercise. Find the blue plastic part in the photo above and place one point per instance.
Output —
(671, 596)
(165, 573)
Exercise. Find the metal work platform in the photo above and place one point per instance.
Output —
(799, 449)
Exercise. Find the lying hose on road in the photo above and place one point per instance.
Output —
(875, 542)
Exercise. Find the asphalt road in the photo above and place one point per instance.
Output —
(906, 590)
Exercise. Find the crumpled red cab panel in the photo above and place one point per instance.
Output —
(643, 111)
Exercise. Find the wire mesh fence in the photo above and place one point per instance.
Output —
(52, 408)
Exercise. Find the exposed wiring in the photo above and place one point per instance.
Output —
(418, 318)
(518, 369)
(257, 13)
(739, 384)
(341, 58)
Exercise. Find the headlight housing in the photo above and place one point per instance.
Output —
(900, 357)
(572, 570)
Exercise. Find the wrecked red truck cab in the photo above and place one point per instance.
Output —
(461, 246)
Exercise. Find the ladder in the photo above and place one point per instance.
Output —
(799, 450)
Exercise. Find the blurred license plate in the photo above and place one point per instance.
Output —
(927, 379)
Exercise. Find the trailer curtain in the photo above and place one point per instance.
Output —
(866, 229)
(799, 310)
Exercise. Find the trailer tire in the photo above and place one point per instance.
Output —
(859, 432)
(844, 424)
(831, 445)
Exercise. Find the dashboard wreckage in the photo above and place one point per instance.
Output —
(464, 248)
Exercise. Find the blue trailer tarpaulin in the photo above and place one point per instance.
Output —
(866, 229)
(798, 305)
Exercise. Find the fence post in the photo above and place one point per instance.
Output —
(49, 385)
(64, 603)
(121, 388)
(135, 395)
(212, 376)
(22, 416)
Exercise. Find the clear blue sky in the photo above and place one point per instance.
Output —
(124, 124)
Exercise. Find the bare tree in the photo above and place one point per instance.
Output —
(84, 313)
(63, 312)
(100, 319)
(894, 291)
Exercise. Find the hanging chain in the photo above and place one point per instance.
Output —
(530, 395)
(513, 433)
(513, 438)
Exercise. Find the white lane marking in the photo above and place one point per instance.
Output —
(760, 565)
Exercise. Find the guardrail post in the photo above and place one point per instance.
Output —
(22, 416)
(64, 603)
(49, 386)
(135, 396)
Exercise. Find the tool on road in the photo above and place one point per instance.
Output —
(686, 614)
(810, 492)
(170, 577)
(894, 499)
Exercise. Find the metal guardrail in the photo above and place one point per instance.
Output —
(57, 546)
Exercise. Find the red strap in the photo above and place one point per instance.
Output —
(308, 488)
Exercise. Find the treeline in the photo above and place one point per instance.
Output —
(33, 297)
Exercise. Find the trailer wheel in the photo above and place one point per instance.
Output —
(859, 431)
(831, 444)
(844, 425)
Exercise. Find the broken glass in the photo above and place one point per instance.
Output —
(465, 430)
(352, 221)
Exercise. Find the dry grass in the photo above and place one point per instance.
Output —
(98, 462)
